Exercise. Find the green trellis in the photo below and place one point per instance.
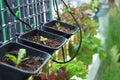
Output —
(31, 11)
(3, 20)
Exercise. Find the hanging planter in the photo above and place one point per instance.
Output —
(60, 28)
(43, 40)
(39, 39)
(18, 61)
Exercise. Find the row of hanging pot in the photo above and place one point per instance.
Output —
(20, 60)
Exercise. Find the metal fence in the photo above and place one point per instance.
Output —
(34, 12)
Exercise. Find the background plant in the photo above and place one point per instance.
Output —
(111, 32)
(110, 69)
(73, 68)
(88, 24)
(90, 44)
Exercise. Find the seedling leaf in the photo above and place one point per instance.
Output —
(43, 39)
(19, 59)
(57, 25)
(21, 55)
(11, 57)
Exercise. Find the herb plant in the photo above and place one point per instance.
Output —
(43, 39)
(57, 25)
(17, 60)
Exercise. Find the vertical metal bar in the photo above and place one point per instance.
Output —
(23, 13)
(21, 27)
(40, 5)
(15, 21)
(44, 11)
(51, 9)
(37, 23)
(36, 16)
(33, 12)
(28, 11)
(3, 21)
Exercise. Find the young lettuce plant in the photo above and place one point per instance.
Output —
(57, 25)
(43, 39)
(17, 60)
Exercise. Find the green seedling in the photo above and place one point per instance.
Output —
(17, 60)
(57, 25)
(43, 39)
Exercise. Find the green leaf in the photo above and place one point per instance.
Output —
(57, 25)
(17, 14)
(102, 55)
(96, 40)
(21, 55)
(114, 51)
(11, 57)
(95, 3)
(86, 59)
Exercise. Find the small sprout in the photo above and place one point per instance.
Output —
(57, 25)
(17, 60)
(43, 39)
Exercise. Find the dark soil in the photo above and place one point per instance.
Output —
(64, 29)
(31, 64)
(49, 42)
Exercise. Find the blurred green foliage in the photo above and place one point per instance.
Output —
(73, 68)
(111, 32)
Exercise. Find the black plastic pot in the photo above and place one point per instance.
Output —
(8, 72)
(0, 43)
(42, 46)
(47, 27)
